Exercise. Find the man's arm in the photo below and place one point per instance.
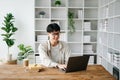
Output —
(45, 59)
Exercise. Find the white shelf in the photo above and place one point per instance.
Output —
(90, 54)
(77, 19)
(108, 32)
(91, 18)
(75, 42)
(76, 7)
(90, 31)
(110, 62)
(90, 42)
(90, 7)
(38, 10)
(58, 18)
(41, 7)
(83, 10)
(58, 7)
(42, 19)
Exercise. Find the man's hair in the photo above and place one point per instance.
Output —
(53, 27)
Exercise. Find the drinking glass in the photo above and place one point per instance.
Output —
(26, 64)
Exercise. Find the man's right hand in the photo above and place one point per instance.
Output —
(61, 66)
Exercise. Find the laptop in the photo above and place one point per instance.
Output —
(77, 63)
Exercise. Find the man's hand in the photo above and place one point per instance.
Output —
(61, 66)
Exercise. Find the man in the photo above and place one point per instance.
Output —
(54, 53)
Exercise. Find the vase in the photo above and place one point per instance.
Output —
(9, 57)
(19, 62)
(41, 16)
(57, 5)
(31, 58)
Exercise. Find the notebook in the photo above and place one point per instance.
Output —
(77, 63)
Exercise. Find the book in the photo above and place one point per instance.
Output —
(87, 26)
(80, 14)
(86, 38)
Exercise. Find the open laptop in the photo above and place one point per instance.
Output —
(77, 63)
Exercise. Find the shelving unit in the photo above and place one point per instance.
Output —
(109, 34)
(83, 10)
(91, 18)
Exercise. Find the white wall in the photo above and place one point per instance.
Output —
(23, 11)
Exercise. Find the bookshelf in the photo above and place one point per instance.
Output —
(85, 12)
(109, 34)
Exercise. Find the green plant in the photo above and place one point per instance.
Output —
(9, 30)
(24, 51)
(57, 2)
(71, 22)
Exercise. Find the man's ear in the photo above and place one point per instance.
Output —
(48, 36)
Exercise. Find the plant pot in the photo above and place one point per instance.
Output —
(12, 62)
(57, 5)
(9, 57)
(41, 16)
(30, 57)
(19, 62)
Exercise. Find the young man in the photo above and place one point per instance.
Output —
(54, 53)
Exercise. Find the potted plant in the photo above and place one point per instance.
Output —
(57, 2)
(41, 14)
(25, 51)
(9, 29)
(71, 22)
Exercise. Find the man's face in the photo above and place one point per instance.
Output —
(54, 36)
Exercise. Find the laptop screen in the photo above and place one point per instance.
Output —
(77, 63)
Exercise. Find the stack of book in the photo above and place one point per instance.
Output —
(87, 26)
(86, 38)
(80, 14)
(88, 48)
(42, 38)
(110, 56)
(105, 25)
(116, 59)
(37, 58)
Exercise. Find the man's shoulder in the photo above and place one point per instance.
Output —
(44, 44)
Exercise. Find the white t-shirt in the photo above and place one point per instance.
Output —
(55, 53)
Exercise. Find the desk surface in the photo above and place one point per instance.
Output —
(16, 72)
